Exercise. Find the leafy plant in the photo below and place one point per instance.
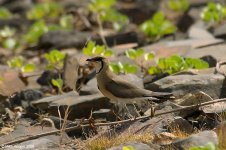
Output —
(35, 32)
(42, 10)
(157, 27)
(175, 64)
(118, 68)
(92, 49)
(178, 5)
(18, 63)
(7, 38)
(209, 146)
(106, 13)
(10, 43)
(58, 83)
(66, 21)
(55, 60)
(128, 147)
(213, 12)
(4, 13)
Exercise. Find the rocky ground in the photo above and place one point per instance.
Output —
(58, 105)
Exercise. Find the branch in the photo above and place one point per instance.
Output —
(110, 123)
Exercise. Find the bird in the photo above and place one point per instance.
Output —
(119, 90)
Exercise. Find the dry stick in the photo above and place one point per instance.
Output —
(110, 123)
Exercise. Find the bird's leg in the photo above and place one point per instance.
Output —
(138, 114)
(128, 112)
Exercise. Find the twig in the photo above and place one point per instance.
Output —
(111, 123)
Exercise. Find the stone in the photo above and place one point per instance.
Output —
(180, 85)
(199, 139)
(79, 106)
(70, 73)
(23, 129)
(199, 33)
(164, 138)
(215, 51)
(182, 124)
(132, 145)
(10, 82)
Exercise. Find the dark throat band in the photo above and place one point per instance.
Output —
(102, 66)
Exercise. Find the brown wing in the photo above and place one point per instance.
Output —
(128, 90)
(123, 89)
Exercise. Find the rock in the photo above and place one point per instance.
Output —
(63, 39)
(25, 97)
(132, 145)
(67, 39)
(40, 143)
(164, 138)
(23, 129)
(80, 106)
(10, 82)
(70, 73)
(199, 139)
(199, 33)
(182, 124)
(215, 51)
(104, 114)
(219, 31)
(47, 76)
(180, 85)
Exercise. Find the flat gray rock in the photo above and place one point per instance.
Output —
(181, 85)
(80, 106)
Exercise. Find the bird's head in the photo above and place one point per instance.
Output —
(98, 63)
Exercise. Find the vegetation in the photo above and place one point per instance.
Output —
(213, 13)
(19, 63)
(58, 83)
(209, 146)
(92, 49)
(45, 10)
(105, 12)
(5, 13)
(178, 5)
(55, 60)
(157, 27)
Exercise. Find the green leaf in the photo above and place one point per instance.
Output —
(158, 18)
(107, 53)
(149, 56)
(48, 10)
(127, 68)
(16, 62)
(55, 59)
(5, 13)
(10, 43)
(66, 21)
(178, 5)
(58, 83)
(209, 146)
(114, 68)
(35, 32)
(28, 68)
(139, 52)
(131, 53)
(98, 50)
(153, 70)
(128, 148)
(88, 50)
(7, 32)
